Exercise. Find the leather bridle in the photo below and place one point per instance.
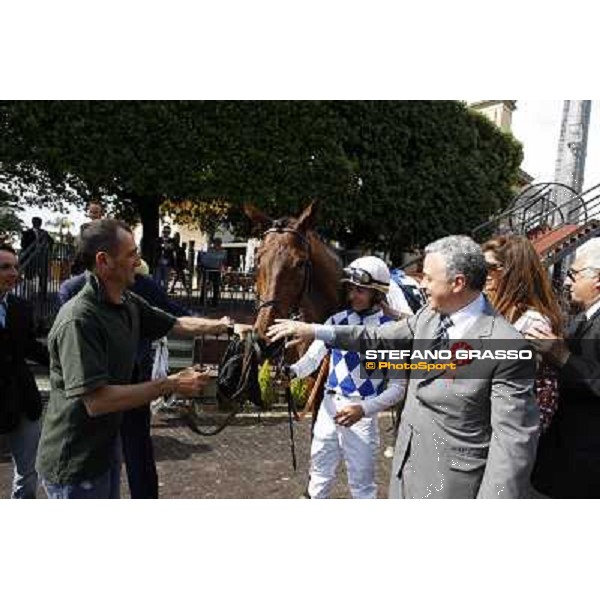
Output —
(280, 228)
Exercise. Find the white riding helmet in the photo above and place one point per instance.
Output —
(369, 272)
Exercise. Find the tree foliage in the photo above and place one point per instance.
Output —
(208, 216)
(389, 175)
(11, 225)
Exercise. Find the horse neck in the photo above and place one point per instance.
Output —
(322, 298)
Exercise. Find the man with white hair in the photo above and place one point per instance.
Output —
(568, 462)
(472, 435)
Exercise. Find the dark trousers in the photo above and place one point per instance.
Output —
(214, 278)
(138, 453)
(41, 269)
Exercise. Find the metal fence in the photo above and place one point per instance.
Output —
(207, 291)
(42, 270)
(204, 292)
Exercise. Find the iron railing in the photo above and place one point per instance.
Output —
(542, 206)
(44, 268)
(207, 291)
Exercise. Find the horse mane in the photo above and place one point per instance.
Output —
(323, 297)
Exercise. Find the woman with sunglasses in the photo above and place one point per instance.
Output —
(519, 289)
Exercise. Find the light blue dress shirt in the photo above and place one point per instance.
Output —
(3, 310)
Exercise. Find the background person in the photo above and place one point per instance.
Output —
(212, 263)
(165, 258)
(37, 242)
(20, 401)
(94, 212)
(404, 297)
(181, 265)
(568, 460)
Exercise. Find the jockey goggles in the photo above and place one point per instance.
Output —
(360, 277)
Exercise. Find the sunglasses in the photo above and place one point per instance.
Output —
(494, 266)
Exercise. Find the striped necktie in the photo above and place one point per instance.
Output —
(440, 337)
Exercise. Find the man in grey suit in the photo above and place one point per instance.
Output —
(469, 436)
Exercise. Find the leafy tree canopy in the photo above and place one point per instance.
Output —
(389, 175)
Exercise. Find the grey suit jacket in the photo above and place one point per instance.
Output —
(464, 437)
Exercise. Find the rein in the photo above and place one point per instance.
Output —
(277, 353)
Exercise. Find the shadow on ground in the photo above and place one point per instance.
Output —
(167, 447)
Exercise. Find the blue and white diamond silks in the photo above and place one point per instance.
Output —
(344, 368)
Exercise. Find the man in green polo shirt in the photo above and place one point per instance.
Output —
(92, 348)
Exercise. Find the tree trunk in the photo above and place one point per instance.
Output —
(149, 214)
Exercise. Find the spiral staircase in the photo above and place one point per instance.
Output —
(552, 215)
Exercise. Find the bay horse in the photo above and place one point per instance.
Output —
(297, 272)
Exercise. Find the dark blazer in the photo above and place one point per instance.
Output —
(166, 249)
(568, 460)
(28, 238)
(18, 391)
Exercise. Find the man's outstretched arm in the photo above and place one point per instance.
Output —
(345, 337)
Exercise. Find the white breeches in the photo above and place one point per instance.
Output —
(357, 444)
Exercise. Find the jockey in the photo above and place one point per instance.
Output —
(346, 423)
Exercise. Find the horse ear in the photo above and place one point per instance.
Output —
(307, 219)
(256, 216)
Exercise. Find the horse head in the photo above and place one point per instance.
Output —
(283, 264)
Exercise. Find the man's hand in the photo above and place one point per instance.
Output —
(224, 325)
(301, 332)
(188, 382)
(548, 344)
(242, 329)
(349, 415)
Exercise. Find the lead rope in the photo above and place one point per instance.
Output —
(291, 406)
(291, 409)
